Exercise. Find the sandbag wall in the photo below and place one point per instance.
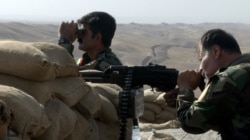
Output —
(42, 80)
(157, 115)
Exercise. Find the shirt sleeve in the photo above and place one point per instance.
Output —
(186, 112)
(68, 47)
(216, 104)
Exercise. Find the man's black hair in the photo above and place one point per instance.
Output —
(221, 38)
(101, 22)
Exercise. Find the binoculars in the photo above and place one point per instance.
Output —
(80, 29)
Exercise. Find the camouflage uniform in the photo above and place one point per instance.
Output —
(223, 106)
(103, 61)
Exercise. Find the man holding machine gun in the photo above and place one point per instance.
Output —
(224, 104)
(94, 33)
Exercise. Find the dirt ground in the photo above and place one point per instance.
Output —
(178, 134)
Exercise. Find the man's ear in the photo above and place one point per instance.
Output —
(216, 51)
(98, 36)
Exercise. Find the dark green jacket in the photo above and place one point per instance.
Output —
(102, 62)
(223, 106)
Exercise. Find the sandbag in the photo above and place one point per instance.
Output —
(160, 99)
(169, 109)
(23, 60)
(158, 121)
(95, 131)
(89, 104)
(69, 89)
(107, 112)
(110, 91)
(148, 115)
(116, 87)
(63, 62)
(82, 130)
(63, 121)
(108, 131)
(165, 115)
(150, 95)
(41, 91)
(5, 117)
(152, 107)
(29, 118)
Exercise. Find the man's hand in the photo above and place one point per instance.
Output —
(189, 80)
(67, 30)
(170, 97)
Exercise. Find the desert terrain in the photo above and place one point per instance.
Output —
(172, 45)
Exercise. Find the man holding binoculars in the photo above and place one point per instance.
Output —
(94, 33)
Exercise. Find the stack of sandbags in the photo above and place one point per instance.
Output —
(35, 61)
(63, 64)
(41, 91)
(28, 116)
(46, 72)
(157, 115)
(34, 68)
(70, 90)
(97, 114)
(106, 118)
(26, 69)
(63, 121)
(75, 109)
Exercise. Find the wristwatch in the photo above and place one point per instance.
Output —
(63, 41)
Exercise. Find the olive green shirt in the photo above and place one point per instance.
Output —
(103, 60)
(223, 106)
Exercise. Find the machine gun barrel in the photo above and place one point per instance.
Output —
(152, 75)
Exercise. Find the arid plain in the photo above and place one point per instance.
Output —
(173, 45)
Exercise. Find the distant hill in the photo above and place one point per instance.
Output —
(173, 45)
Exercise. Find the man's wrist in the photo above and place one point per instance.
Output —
(63, 41)
(186, 94)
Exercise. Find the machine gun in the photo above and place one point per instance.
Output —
(132, 79)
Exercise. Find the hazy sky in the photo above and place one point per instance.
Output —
(126, 11)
